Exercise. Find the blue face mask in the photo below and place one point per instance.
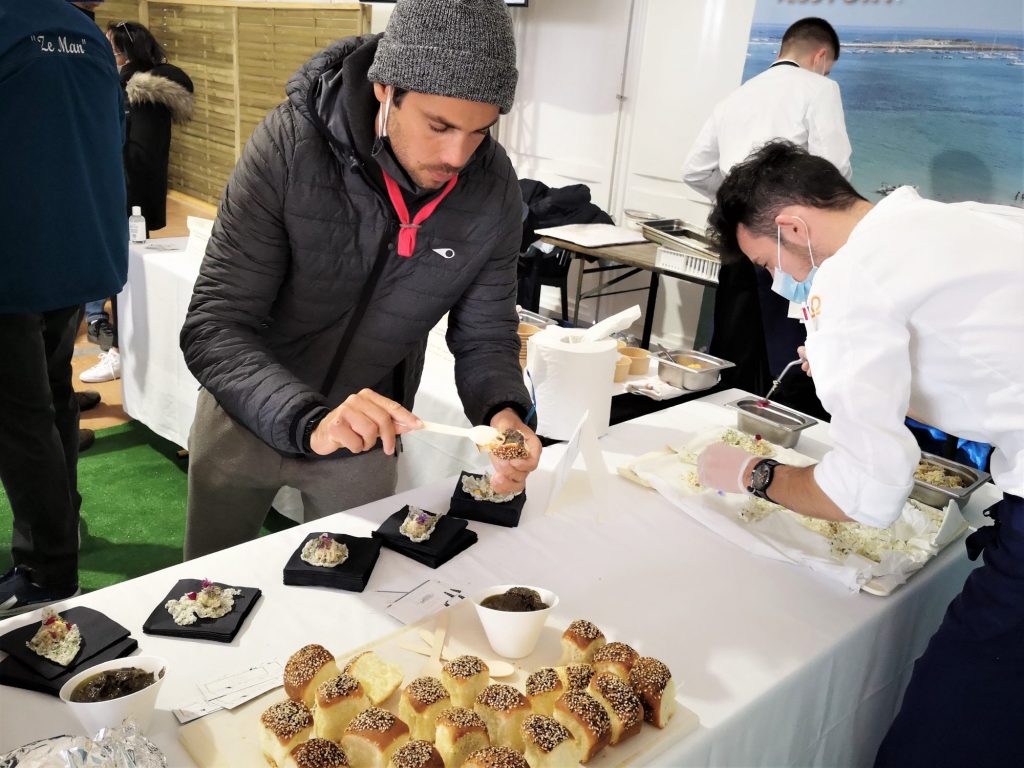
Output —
(787, 286)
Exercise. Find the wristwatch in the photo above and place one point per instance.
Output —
(761, 477)
(311, 425)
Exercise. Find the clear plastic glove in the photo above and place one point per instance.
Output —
(724, 468)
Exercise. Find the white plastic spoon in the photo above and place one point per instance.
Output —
(482, 435)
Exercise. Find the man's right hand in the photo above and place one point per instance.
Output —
(360, 421)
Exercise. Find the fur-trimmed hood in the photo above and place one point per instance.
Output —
(166, 85)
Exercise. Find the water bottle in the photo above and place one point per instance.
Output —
(137, 226)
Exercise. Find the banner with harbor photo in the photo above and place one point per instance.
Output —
(933, 91)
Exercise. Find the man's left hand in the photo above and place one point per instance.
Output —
(510, 475)
(724, 467)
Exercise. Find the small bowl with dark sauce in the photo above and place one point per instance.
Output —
(513, 616)
(104, 695)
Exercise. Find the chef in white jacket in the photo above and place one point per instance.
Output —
(794, 100)
(912, 306)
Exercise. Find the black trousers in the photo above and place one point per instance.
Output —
(39, 442)
(965, 700)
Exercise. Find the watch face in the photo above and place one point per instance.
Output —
(761, 476)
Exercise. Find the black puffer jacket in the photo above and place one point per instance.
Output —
(300, 224)
(155, 99)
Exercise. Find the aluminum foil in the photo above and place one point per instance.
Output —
(122, 747)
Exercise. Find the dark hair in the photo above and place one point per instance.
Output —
(137, 44)
(777, 175)
(814, 31)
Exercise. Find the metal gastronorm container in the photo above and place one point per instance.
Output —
(676, 373)
(937, 496)
(774, 422)
(677, 235)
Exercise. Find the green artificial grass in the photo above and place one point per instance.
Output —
(134, 490)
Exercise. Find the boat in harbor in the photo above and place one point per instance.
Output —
(885, 189)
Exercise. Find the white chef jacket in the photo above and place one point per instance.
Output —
(783, 102)
(922, 308)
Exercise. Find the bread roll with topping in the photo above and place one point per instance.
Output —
(575, 677)
(337, 700)
(496, 757)
(465, 677)
(372, 738)
(653, 683)
(620, 701)
(586, 720)
(305, 669)
(503, 708)
(459, 733)
(579, 642)
(548, 744)
(378, 678)
(317, 753)
(283, 726)
(543, 688)
(614, 658)
(422, 700)
(416, 754)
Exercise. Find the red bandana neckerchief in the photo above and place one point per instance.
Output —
(408, 230)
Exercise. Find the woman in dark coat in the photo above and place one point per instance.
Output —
(157, 94)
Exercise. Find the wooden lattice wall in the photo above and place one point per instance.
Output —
(239, 56)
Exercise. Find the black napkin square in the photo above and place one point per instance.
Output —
(352, 575)
(98, 632)
(18, 675)
(446, 531)
(449, 538)
(465, 540)
(222, 630)
(506, 513)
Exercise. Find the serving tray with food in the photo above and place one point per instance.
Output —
(860, 557)
(577, 697)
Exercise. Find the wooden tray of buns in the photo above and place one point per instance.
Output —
(230, 738)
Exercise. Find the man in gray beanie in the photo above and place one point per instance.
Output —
(365, 207)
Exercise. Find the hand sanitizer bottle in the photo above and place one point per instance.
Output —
(137, 226)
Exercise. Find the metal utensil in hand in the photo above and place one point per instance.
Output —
(778, 381)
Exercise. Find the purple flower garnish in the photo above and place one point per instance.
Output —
(324, 542)
(207, 583)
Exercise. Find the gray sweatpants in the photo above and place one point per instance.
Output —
(233, 477)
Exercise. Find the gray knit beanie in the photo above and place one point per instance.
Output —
(458, 48)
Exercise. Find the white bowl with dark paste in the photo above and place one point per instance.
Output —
(106, 694)
(513, 616)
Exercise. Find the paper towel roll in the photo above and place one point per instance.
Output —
(570, 379)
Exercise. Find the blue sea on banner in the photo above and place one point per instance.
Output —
(950, 122)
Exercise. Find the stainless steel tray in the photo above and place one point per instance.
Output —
(775, 423)
(938, 496)
(677, 373)
(677, 235)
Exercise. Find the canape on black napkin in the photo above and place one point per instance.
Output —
(18, 675)
(222, 630)
(506, 513)
(98, 632)
(449, 537)
(352, 575)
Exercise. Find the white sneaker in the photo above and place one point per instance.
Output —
(107, 369)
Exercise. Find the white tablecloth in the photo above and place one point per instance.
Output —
(157, 389)
(782, 667)
(160, 392)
